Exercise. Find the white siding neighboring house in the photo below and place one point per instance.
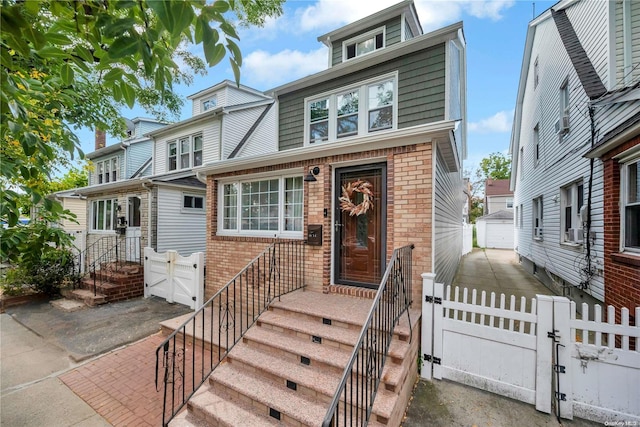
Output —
(147, 180)
(571, 64)
(495, 228)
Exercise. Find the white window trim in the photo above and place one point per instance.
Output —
(536, 73)
(111, 161)
(257, 233)
(114, 207)
(190, 210)
(536, 145)
(629, 158)
(575, 211)
(362, 37)
(539, 213)
(179, 153)
(506, 203)
(208, 99)
(363, 109)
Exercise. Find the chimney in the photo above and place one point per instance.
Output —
(101, 139)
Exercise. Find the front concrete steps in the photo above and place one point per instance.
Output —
(113, 282)
(290, 363)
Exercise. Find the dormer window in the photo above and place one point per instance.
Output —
(209, 103)
(352, 111)
(363, 44)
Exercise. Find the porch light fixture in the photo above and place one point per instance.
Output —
(311, 176)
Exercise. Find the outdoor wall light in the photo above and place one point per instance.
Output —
(311, 176)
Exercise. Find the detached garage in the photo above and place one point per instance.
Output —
(496, 230)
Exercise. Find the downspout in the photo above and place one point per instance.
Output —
(589, 268)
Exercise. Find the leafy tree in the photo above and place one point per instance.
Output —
(66, 64)
(495, 166)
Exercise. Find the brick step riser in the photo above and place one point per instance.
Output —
(117, 278)
(351, 326)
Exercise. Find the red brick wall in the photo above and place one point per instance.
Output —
(621, 271)
(409, 214)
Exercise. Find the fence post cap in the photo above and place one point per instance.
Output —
(428, 275)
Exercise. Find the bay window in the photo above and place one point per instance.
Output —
(352, 111)
(265, 206)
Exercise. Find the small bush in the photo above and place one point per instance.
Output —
(44, 275)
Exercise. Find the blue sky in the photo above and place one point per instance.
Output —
(286, 49)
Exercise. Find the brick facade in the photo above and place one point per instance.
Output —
(409, 218)
(621, 271)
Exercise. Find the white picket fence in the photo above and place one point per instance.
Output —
(514, 349)
(174, 277)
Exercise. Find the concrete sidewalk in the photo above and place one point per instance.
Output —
(31, 394)
(445, 403)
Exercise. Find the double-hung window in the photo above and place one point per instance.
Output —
(363, 44)
(536, 145)
(184, 153)
(537, 209)
(352, 111)
(630, 206)
(265, 206)
(107, 170)
(509, 203)
(571, 201)
(103, 214)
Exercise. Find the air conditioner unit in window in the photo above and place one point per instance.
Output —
(576, 235)
(537, 232)
(562, 125)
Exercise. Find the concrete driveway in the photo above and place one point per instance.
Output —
(449, 404)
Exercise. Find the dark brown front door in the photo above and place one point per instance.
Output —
(360, 224)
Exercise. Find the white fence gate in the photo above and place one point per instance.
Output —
(536, 351)
(467, 238)
(174, 277)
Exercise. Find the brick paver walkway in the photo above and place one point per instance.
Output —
(120, 386)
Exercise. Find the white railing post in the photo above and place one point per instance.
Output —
(147, 270)
(544, 352)
(438, 295)
(427, 325)
(199, 279)
(171, 261)
(562, 326)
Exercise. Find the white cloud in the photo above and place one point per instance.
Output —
(330, 14)
(498, 123)
(267, 69)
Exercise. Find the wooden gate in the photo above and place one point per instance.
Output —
(174, 277)
(534, 351)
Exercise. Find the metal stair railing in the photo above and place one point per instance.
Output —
(190, 354)
(112, 253)
(353, 400)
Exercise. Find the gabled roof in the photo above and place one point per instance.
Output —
(505, 215)
(434, 38)
(497, 187)
(587, 74)
(223, 84)
(353, 28)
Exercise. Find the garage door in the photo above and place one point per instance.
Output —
(500, 235)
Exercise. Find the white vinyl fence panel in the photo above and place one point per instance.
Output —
(467, 238)
(174, 278)
(534, 351)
